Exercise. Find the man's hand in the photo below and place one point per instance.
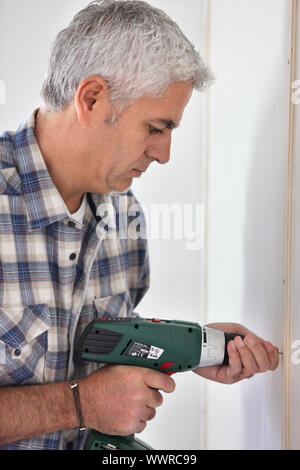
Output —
(246, 357)
(119, 400)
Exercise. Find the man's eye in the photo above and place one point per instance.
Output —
(155, 130)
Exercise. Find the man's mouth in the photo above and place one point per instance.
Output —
(137, 172)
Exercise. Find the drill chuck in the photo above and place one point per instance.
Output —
(214, 347)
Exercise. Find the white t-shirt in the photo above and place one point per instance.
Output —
(79, 215)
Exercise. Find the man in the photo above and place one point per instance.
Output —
(119, 79)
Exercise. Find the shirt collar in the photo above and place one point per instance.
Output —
(43, 202)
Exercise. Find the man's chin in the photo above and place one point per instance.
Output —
(118, 186)
(122, 186)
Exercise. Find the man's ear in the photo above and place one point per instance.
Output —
(92, 100)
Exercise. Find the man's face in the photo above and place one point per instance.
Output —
(142, 135)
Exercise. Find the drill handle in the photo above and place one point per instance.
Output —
(229, 337)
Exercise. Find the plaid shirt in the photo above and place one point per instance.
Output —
(47, 294)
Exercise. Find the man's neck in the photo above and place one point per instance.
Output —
(50, 134)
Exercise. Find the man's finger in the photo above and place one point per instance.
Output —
(273, 354)
(249, 362)
(156, 399)
(159, 381)
(235, 365)
(258, 353)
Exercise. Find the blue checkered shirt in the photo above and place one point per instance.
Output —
(48, 296)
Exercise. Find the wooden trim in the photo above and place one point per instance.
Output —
(289, 238)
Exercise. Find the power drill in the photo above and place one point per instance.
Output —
(168, 346)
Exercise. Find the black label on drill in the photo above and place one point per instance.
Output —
(146, 351)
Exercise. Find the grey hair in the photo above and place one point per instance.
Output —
(138, 49)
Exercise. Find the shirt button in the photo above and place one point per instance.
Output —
(71, 224)
(73, 256)
(17, 352)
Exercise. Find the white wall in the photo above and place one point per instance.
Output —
(26, 32)
(248, 141)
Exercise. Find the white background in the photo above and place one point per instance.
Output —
(229, 154)
(248, 153)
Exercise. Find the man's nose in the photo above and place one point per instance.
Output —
(161, 149)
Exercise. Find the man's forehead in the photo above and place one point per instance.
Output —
(165, 110)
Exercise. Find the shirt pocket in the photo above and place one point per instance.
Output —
(23, 344)
(113, 306)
